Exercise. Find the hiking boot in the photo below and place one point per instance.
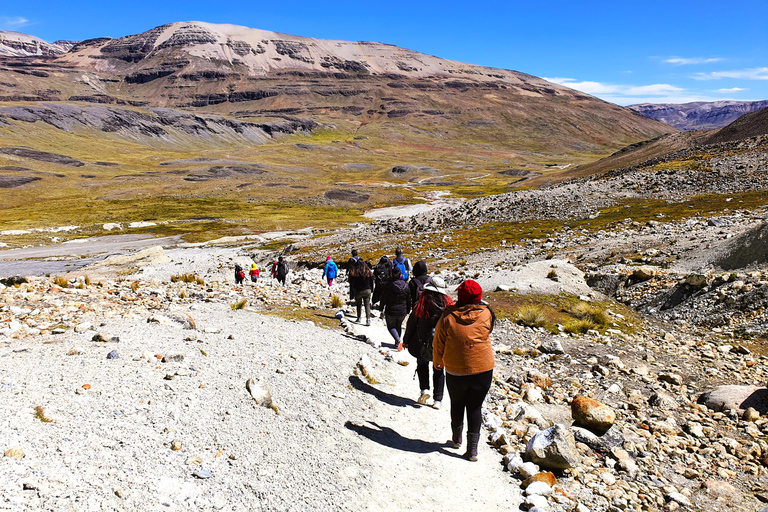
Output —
(456, 437)
(357, 320)
(423, 397)
(472, 441)
(437, 404)
(367, 321)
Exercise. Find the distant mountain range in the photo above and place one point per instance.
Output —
(699, 115)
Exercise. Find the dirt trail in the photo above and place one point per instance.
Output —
(417, 468)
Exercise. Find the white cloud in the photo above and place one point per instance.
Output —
(682, 61)
(623, 94)
(12, 22)
(741, 74)
(732, 89)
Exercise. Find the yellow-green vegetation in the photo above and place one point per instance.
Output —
(61, 282)
(336, 301)
(134, 286)
(239, 304)
(187, 278)
(547, 311)
(40, 414)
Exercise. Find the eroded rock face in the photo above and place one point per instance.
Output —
(133, 48)
(42, 156)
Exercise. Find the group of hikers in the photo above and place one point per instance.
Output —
(453, 336)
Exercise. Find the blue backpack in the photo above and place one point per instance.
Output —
(331, 270)
(403, 267)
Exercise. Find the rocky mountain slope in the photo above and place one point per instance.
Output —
(16, 44)
(700, 115)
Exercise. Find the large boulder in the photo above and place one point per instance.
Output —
(736, 397)
(553, 448)
(592, 415)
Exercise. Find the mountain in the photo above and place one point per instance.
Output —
(748, 125)
(699, 115)
(16, 44)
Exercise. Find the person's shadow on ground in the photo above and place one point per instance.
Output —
(385, 436)
(387, 398)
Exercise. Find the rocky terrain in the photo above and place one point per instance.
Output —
(699, 115)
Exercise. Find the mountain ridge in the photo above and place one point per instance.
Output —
(699, 115)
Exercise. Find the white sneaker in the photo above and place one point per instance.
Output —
(437, 404)
(424, 396)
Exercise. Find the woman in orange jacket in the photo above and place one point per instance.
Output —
(462, 345)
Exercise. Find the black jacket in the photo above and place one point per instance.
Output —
(396, 298)
(358, 284)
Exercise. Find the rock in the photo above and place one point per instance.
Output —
(539, 379)
(610, 439)
(113, 355)
(536, 501)
(259, 393)
(193, 460)
(645, 272)
(736, 397)
(82, 327)
(202, 474)
(181, 320)
(173, 358)
(719, 488)
(751, 414)
(528, 469)
(625, 461)
(546, 477)
(592, 415)
(176, 445)
(672, 378)
(696, 280)
(551, 345)
(14, 453)
(678, 498)
(538, 488)
(533, 395)
(513, 462)
(663, 401)
(553, 448)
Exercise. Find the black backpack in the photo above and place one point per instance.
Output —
(417, 347)
(383, 271)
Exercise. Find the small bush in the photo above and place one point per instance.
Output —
(579, 326)
(552, 275)
(336, 301)
(87, 281)
(40, 414)
(187, 278)
(531, 316)
(61, 282)
(550, 255)
(239, 304)
(134, 286)
(593, 314)
(200, 281)
(183, 294)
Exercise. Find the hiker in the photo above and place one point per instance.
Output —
(239, 274)
(462, 345)
(254, 273)
(350, 265)
(396, 302)
(419, 333)
(361, 281)
(382, 273)
(420, 278)
(330, 271)
(403, 263)
(280, 270)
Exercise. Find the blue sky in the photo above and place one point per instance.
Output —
(671, 51)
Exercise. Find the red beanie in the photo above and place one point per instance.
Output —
(470, 292)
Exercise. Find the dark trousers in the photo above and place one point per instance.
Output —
(438, 378)
(395, 326)
(281, 280)
(363, 297)
(467, 394)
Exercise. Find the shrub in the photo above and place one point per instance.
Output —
(134, 286)
(579, 326)
(593, 314)
(336, 301)
(40, 414)
(61, 282)
(531, 316)
(239, 304)
(87, 281)
(552, 275)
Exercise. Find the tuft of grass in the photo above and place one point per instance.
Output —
(134, 286)
(579, 326)
(239, 304)
(531, 315)
(590, 313)
(183, 294)
(336, 301)
(200, 281)
(40, 414)
(61, 282)
(87, 280)
(552, 274)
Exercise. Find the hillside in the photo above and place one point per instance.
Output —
(700, 115)
(183, 114)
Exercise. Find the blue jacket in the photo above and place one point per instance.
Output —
(331, 270)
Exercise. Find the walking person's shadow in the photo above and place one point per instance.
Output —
(386, 436)
(382, 396)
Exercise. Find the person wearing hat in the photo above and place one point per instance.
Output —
(330, 270)
(419, 332)
(254, 273)
(462, 345)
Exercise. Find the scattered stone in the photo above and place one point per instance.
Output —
(551, 345)
(202, 474)
(259, 393)
(735, 397)
(173, 358)
(14, 453)
(671, 378)
(176, 445)
(553, 448)
(113, 355)
(592, 415)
